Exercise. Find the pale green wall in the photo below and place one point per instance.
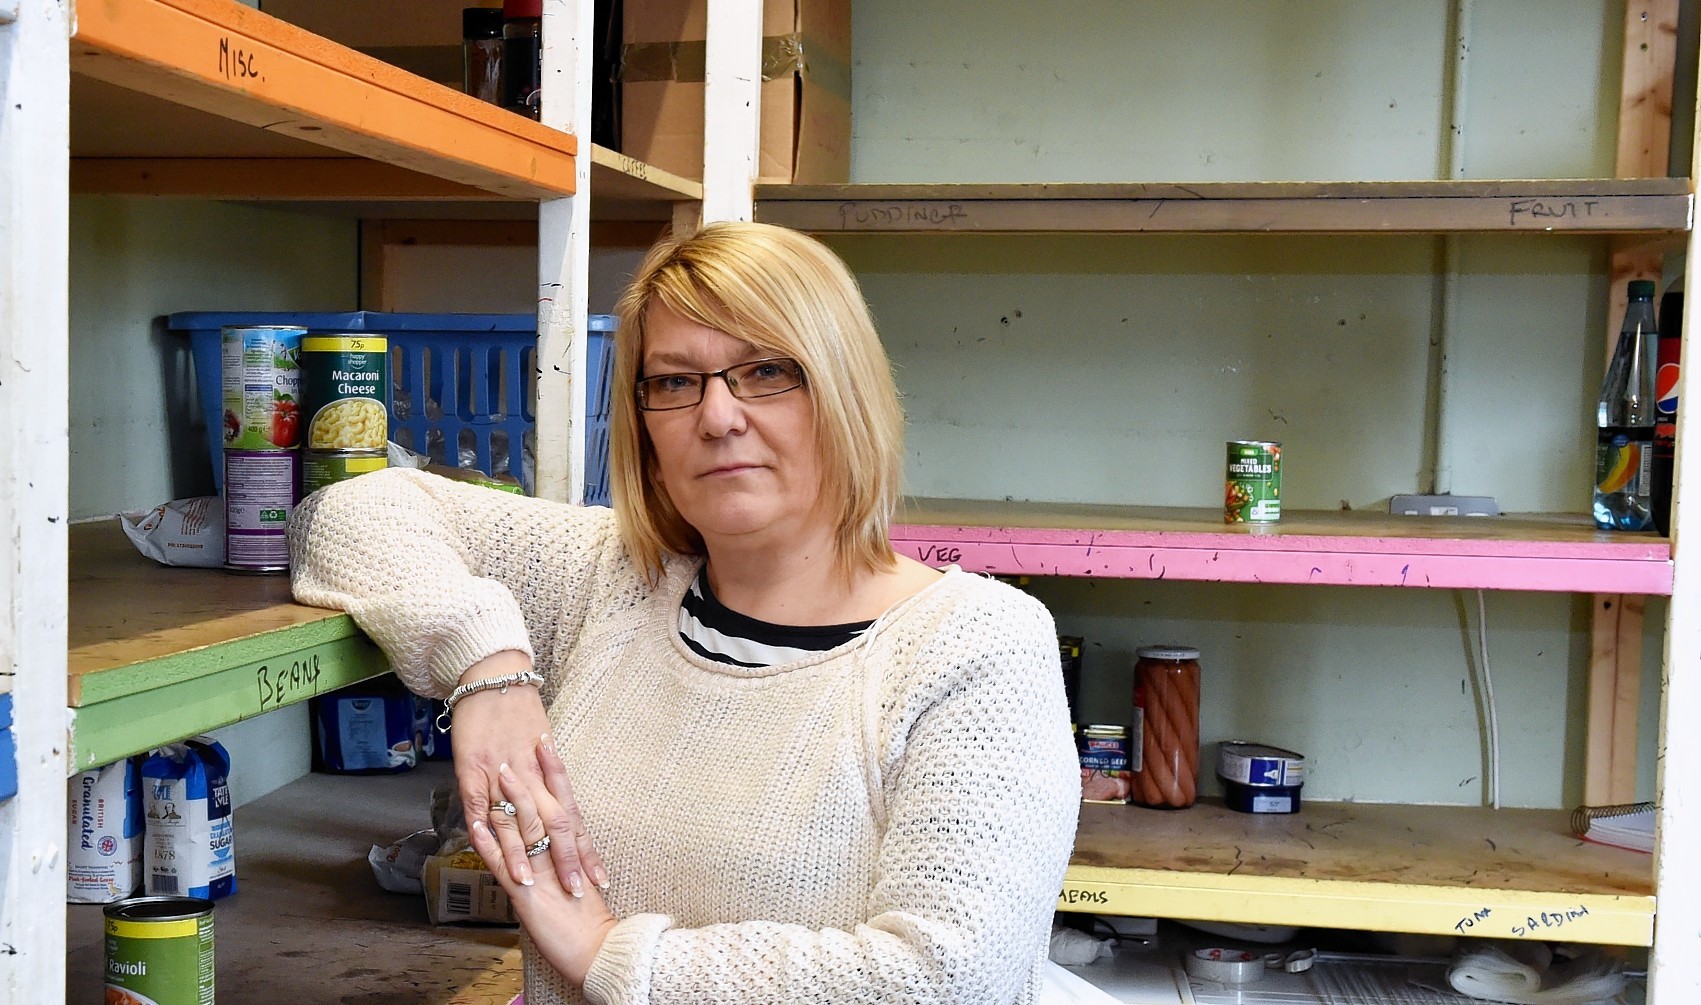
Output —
(1111, 369)
(136, 435)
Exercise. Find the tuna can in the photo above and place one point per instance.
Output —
(1258, 778)
(345, 391)
(262, 386)
(320, 468)
(159, 951)
(1253, 489)
(260, 492)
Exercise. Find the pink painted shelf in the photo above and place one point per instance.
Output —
(1551, 553)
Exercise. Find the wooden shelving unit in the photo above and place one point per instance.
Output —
(160, 653)
(1592, 205)
(1557, 553)
(1439, 870)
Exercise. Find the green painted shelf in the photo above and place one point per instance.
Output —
(157, 653)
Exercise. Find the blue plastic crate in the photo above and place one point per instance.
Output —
(459, 384)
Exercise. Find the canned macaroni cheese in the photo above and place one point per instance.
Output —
(345, 391)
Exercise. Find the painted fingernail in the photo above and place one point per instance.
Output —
(575, 884)
(502, 769)
(526, 876)
(549, 743)
(601, 875)
(478, 825)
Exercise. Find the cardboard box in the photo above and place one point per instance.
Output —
(806, 116)
(459, 889)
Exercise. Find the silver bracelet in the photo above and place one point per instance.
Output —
(529, 677)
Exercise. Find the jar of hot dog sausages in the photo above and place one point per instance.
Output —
(1165, 737)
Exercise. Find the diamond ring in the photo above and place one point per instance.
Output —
(505, 806)
(538, 847)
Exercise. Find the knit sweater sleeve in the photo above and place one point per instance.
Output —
(442, 573)
(981, 805)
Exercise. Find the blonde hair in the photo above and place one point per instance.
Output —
(788, 295)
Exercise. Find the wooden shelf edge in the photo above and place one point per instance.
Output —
(238, 63)
(1385, 907)
(1601, 206)
(1320, 549)
(628, 177)
(240, 688)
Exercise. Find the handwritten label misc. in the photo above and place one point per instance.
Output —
(279, 685)
(902, 215)
(236, 63)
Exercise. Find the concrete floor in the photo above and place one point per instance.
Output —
(309, 924)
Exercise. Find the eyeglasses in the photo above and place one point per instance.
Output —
(757, 379)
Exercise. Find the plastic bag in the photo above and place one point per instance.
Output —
(187, 532)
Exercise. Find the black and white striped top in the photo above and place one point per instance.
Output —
(714, 632)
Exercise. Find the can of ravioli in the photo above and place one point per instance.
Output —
(159, 951)
(320, 468)
(345, 391)
(261, 489)
(261, 382)
(1253, 488)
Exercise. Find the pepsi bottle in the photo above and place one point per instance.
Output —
(1624, 420)
(1665, 391)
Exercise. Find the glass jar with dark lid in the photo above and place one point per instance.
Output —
(1165, 738)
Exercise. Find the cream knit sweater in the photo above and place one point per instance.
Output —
(887, 822)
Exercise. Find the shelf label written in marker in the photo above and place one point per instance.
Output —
(902, 215)
(1076, 897)
(1540, 212)
(938, 554)
(279, 685)
(1527, 925)
(235, 63)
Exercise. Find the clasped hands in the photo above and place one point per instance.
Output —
(524, 822)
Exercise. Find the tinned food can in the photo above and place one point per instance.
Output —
(1105, 774)
(1253, 488)
(159, 951)
(261, 384)
(320, 468)
(261, 489)
(345, 390)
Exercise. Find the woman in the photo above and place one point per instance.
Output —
(809, 770)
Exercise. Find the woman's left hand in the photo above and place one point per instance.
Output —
(567, 930)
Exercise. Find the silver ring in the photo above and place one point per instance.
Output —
(538, 847)
(505, 806)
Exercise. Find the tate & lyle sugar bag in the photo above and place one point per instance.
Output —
(104, 860)
(190, 848)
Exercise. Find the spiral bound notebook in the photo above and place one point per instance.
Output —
(1630, 825)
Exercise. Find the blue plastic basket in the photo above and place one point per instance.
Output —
(462, 386)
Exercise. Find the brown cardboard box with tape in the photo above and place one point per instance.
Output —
(806, 59)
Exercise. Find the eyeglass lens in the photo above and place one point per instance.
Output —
(756, 379)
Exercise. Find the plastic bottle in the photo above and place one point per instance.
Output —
(522, 57)
(1665, 402)
(481, 53)
(1625, 421)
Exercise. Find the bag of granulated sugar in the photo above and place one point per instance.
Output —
(103, 862)
(189, 850)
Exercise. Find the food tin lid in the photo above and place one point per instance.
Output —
(1167, 653)
(1255, 443)
(1100, 729)
(292, 329)
(1259, 764)
(158, 908)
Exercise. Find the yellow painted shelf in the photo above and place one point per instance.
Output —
(1586, 205)
(157, 653)
(1442, 870)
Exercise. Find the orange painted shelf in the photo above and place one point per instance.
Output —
(282, 91)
